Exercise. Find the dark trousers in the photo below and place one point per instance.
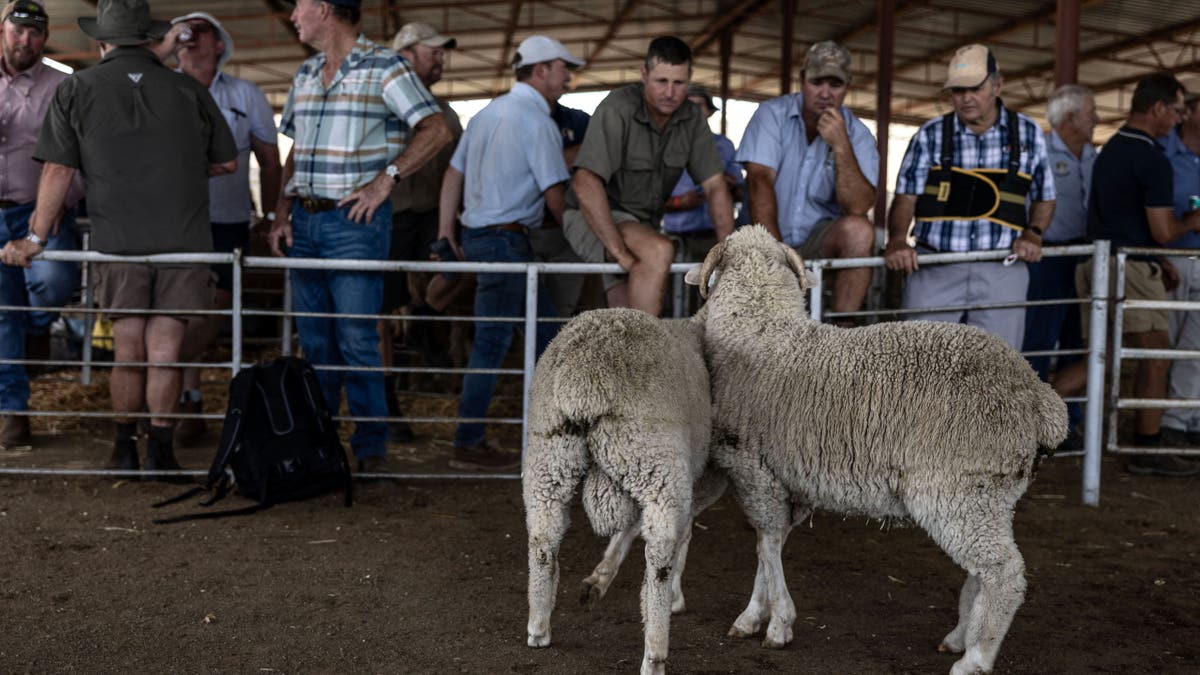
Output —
(1053, 325)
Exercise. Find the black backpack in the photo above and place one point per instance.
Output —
(279, 441)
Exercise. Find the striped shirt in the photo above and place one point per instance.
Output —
(988, 150)
(347, 133)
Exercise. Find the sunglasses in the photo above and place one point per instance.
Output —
(200, 27)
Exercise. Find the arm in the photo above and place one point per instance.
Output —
(270, 171)
(760, 184)
(855, 194)
(429, 136)
(593, 202)
(1028, 246)
(898, 255)
(555, 196)
(1164, 227)
(451, 197)
(282, 227)
(52, 194)
(720, 205)
(222, 168)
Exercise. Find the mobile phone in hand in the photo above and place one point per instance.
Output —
(444, 251)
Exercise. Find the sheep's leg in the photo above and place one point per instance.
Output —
(767, 505)
(547, 525)
(783, 610)
(664, 531)
(597, 583)
(678, 605)
(752, 618)
(954, 641)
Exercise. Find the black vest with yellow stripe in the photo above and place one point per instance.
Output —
(996, 195)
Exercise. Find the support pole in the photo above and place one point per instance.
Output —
(885, 30)
(726, 48)
(1066, 43)
(787, 46)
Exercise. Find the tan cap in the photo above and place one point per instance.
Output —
(421, 33)
(970, 66)
(827, 59)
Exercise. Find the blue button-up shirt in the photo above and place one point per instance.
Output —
(988, 150)
(1185, 165)
(1072, 183)
(510, 154)
(697, 220)
(805, 191)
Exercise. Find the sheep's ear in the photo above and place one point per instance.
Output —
(797, 265)
(706, 269)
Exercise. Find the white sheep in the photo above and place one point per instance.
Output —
(939, 423)
(620, 401)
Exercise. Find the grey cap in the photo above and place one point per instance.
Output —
(421, 33)
(827, 59)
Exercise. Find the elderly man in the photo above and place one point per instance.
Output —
(347, 111)
(230, 205)
(640, 140)
(115, 122)
(507, 170)
(26, 87)
(969, 178)
(811, 171)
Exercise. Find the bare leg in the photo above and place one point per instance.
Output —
(127, 384)
(1151, 378)
(164, 339)
(850, 237)
(648, 276)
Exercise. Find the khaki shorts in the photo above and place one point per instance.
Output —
(141, 286)
(1143, 281)
(811, 248)
(585, 242)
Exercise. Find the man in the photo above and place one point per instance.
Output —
(969, 178)
(1131, 204)
(507, 170)
(26, 87)
(115, 122)
(1071, 111)
(230, 205)
(811, 171)
(415, 220)
(348, 112)
(641, 138)
(1181, 426)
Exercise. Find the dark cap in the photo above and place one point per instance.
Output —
(702, 91)
(25, 13)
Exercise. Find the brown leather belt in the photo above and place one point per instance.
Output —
(8, 204)
(510, 227)
(317, 205)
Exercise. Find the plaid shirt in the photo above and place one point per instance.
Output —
(346, 134)
(988, 150)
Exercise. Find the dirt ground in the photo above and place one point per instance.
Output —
(426, 576)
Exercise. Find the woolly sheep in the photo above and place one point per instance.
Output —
(935, 422)
(620, 400)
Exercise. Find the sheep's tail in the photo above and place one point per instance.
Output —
(1049, 416)
(610, 509)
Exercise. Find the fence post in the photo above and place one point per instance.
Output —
(815, 297)
(236, 318)
(531, 318)
(89, 317)
(1097, 343)
(285, 330)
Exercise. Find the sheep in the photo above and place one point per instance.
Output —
(619, 401)
(937, 423)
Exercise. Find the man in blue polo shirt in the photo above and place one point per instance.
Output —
(508, 170)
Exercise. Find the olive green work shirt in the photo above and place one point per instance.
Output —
(422, 191)
(143, 136)
(640, 163)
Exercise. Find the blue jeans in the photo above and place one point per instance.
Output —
(352, 342)
(44, 284)
(496, 295)
(1050, 325)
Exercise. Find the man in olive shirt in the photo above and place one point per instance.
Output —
(638, 143)
(147, 138)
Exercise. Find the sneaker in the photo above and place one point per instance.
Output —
(14, 433)
(485, 456)
(1168, 466)
(190, 429)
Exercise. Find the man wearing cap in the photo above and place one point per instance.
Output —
(640, 140)
(507, 170)
(230, 205)
(811, 171)
(415, 223)
(116, 122)
(361, 120)
(976, 179)
(26, 87)
(686, 216)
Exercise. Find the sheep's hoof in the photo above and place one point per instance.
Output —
(654, 666)
(737, 632)
(590, 595)
(947, 649)
(537, 641)
(678, 607)
(768, 643)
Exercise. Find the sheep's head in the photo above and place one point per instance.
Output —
(745, 239)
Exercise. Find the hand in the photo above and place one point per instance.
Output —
(1028, 247)
(692, 199)
(832, 128)
(625, 258)
(898, 256)
(281, 230)
(368, 199)
(19, 252)
(170, 42)
(1170, 277)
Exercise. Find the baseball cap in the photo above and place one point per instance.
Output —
(702, 91)
(421, 33)
(540, 49)
(25, 13)
(222, 34)
(970, 66)
(827, 59)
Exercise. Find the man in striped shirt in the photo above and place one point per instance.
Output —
(986, 139)
(361, 120)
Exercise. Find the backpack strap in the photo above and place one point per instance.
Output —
(209, 515)
(178, 498)
(320, 411)
(1014, 144)
(231, 432)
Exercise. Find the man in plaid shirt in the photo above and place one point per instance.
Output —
(361, 121)
(981, 140)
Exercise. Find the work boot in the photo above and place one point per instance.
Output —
(190, 429)
(14, 433)
(160, 455)
(485, 455)
(398, 432)
(124, 453)
(1167, 466)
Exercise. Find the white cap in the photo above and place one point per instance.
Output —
(222, 34)
(540, 49)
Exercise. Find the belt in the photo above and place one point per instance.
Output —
(317, 204)
(509, 227)
(8, 204)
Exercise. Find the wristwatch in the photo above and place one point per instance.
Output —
(393, 172)
(270, 216)
(35, 240)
